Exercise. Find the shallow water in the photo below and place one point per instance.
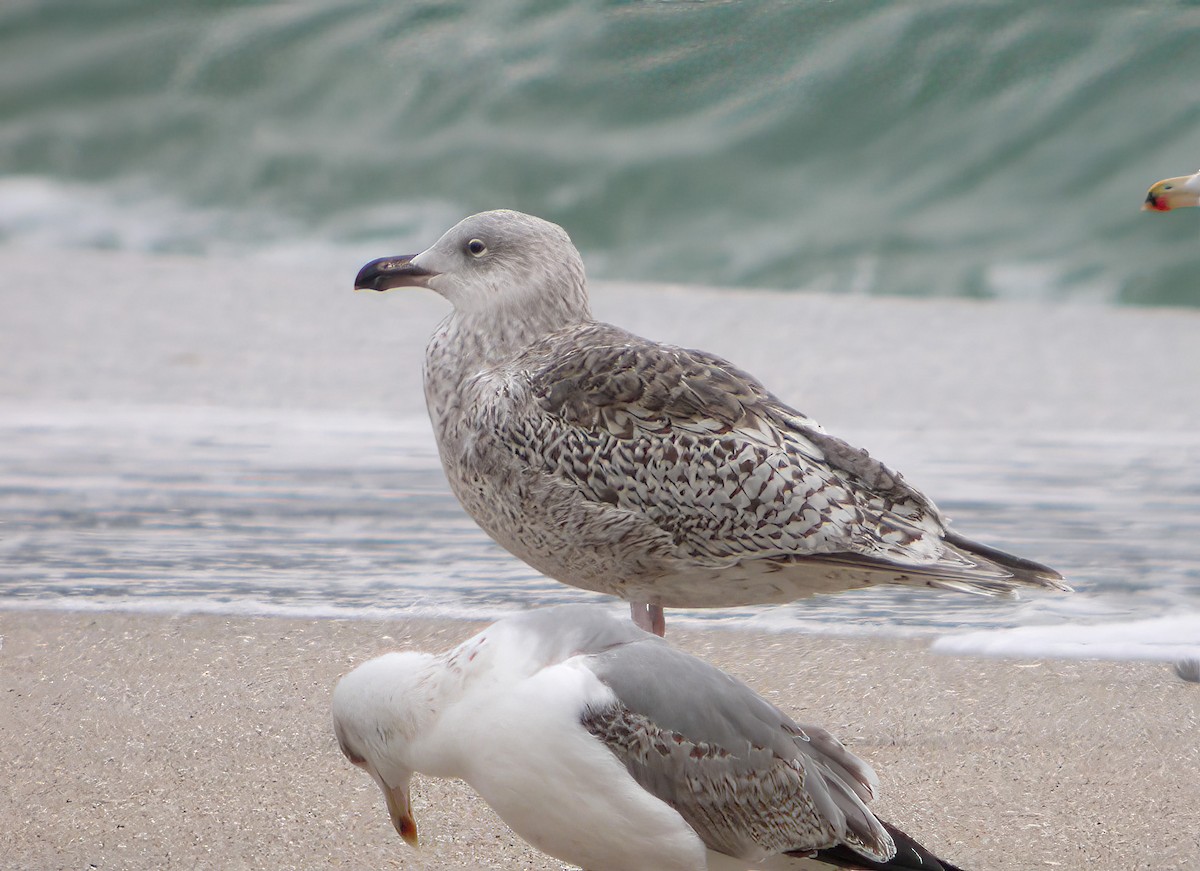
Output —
(332, 514)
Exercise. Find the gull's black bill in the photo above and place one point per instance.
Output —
(388, 272)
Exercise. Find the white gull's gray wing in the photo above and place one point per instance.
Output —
(711, 462)
(749, 780)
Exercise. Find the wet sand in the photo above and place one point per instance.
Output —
(152, 742)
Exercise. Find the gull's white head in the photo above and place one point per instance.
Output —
(491, 262)
(1173, 193)
(379, 711)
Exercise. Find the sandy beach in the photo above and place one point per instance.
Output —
(149, 742)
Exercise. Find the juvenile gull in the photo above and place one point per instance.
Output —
(605, 747)
(665, 476)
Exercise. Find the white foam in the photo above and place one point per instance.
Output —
(45, 213)
(182, 606)
(1166, 639)
(175, 606)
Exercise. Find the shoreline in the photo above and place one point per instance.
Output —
(1014, 416)
(159, 741)
(1064, 641)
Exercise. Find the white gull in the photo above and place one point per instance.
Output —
(662, 475)
(1173, 193)
(605, 747)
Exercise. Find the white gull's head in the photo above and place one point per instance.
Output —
(492, 262)
(379, 710)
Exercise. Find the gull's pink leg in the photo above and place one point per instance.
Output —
(648, 617)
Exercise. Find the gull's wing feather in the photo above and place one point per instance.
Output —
(707, 458)
(910, 856)
(749, 780)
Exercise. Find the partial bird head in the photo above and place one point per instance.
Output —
(1173, 193)
(379, 712)
(489, 262)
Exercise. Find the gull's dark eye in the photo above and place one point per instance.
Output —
(1166, 187)
(476, 247)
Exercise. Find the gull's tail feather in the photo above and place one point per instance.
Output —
(964, 566)
(1022, 572)
(910, 856)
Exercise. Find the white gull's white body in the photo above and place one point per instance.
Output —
(604, 747)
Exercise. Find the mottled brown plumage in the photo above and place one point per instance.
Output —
(659, 474)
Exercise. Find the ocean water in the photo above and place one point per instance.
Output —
(175, 509)
(232, 436)
(181, 430)
(932, 147)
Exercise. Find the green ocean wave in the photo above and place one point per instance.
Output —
(942, 147)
